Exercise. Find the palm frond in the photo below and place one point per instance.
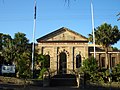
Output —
(68, 2)
(119, 17)
(118, 14)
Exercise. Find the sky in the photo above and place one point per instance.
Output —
(18, 16)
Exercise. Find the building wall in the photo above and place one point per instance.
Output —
(75, 47)
(70, 49)
(114, 58)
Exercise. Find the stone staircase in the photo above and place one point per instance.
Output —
(63, 80)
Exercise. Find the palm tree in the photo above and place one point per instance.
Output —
(106, 35)
(22, 54)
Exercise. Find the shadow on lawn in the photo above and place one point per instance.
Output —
(38, 85)
(106, 86)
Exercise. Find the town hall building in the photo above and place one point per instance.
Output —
(66, 50)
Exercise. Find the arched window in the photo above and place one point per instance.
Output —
(78, 61)
(63, 63)
(47, 62)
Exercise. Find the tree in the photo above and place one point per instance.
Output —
(20, 45)
(1, 44)
(1, 34)
(115, 49)
(16, 51)
(106, 35)
(7, 48)
(22, 54)
(90, 69)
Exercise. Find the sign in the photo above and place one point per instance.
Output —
(8, 69)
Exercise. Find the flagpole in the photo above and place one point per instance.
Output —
(93, 26)
(33, 39)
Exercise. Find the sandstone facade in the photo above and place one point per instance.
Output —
(67, 50)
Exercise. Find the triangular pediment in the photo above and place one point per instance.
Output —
(63, 34)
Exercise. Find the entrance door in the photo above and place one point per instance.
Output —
(63, 63)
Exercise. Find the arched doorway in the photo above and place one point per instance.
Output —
(63, 63)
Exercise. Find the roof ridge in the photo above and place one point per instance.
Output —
(62, 29)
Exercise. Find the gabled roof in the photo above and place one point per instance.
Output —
(58, 32)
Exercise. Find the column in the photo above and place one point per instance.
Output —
(100, 65)
(117, 61)
(55, 58)
(73, 58)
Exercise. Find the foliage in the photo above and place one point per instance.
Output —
(104, 74)
(22, 55)
(115, 48)
(106, 35)
(24, 65)
(89, 65)
(99, 75)
(1, 41)
(42, 59)
(116, 73)
(42, 72)
(95, 74)
(7, 48)
(16, 51)
(90, 68)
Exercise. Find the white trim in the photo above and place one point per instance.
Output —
(104, 52)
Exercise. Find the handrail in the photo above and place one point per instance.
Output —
(54, 72)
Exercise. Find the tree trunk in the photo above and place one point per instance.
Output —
(108, 62)
(106, 58)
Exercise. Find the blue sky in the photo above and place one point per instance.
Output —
(17, 16)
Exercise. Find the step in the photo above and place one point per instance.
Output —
(63, 80)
